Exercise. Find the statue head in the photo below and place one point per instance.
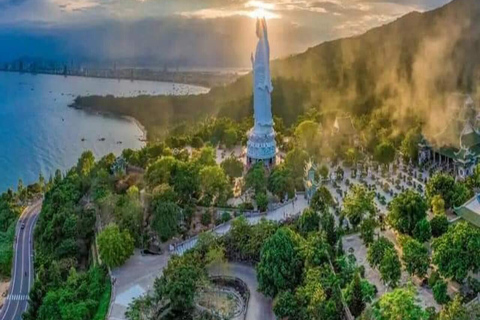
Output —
(261, 27)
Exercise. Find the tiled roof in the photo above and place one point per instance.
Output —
(470, 211)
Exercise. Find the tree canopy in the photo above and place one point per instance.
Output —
(456, 252)
(406, 210)
(280, 263)
(115, 246)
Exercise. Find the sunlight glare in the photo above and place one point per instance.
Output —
(261, 10)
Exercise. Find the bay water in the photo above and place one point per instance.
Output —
(39, 133)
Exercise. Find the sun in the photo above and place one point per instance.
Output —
(259, 9)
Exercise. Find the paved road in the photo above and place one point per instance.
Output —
(17, 300)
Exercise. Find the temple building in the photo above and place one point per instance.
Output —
(460, 152)
(470, 211)
(261, 145)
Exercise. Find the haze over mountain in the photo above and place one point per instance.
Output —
(411, 67)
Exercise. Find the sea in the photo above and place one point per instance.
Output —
(39, 133)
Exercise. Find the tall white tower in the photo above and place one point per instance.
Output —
(261, 145)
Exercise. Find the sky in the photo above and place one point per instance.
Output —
(189, 31)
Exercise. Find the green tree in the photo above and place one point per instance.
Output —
(321, 200)
(327, 227)
(390, 268)
(197, 142)
(409, 146)
(406, 210)
(309, 221)
(456, 252)
(423, 230)
(257, 178)
(358, 203)
(439, 225)
(314, 293)
(295, 161)
(180, 280)
(186, 181)
(355, 300)
(307, 136)
(416, 258)
(440, 292)
(166, 216)
(205, 157)
(352, 155)
(455, 310)
(281, 183)
(287, 306)
(367, 230)
(230, 138)
(461, 194)
(262, 201)
(323, 171)
(232, 167)
(377, 250)
(85, 163)
(160, 171)
(214, 184)
(115, 246)
(438, 205)
(398, 304)
(129, 213)
(280, 265)
(385, 153)
(442, 185)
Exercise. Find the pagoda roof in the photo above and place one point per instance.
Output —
(470, 140)
(470, 211)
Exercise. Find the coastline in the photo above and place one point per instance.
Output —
(142, 128)
(142, 138)
(176, 80)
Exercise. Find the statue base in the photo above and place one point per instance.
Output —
(261, 147)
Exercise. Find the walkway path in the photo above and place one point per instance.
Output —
(290, 209)
(17, 300)
(135, 278)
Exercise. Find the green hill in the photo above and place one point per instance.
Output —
(408, 67)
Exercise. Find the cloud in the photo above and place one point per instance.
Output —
(296, 24)
(75, 5)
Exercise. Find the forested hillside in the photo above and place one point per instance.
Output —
(409, 67)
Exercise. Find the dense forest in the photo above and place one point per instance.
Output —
(407, 69)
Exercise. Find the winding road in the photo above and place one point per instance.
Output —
(16, 302)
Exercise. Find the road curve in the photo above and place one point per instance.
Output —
(22, 272)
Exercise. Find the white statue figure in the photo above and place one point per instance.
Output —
(261, 144)
(262, 84)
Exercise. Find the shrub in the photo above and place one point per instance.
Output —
(440, 292)
(422, 231)
(226, 216)
(439, 225)
(206, 219)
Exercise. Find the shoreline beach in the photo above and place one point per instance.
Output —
(142, 128)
